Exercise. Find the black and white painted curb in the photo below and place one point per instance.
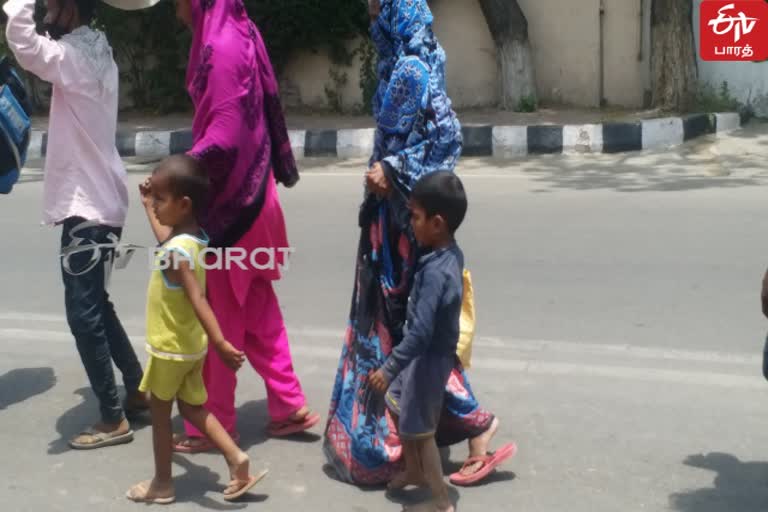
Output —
(496, 141)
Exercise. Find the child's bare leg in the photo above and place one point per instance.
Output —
(161, 439)
(432, 469)
(237, 460)
(161, 487)
(412, 474)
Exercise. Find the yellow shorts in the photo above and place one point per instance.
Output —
(168, 380)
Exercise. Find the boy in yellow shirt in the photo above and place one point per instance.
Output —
(180, 324)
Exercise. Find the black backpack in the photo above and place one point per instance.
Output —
(15, 125)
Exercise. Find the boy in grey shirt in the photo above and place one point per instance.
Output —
(415, 374)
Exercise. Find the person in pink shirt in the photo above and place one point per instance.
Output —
(84, 192)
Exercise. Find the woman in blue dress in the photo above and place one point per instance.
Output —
(417, 133)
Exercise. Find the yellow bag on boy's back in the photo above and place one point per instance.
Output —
(466, 322)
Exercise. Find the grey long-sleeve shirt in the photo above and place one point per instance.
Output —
(434, 308)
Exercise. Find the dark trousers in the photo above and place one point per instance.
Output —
(98, 333)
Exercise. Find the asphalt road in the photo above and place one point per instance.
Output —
(619, 340)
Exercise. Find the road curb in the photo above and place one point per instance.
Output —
(479, 140)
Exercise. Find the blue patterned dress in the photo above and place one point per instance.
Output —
(417, 133)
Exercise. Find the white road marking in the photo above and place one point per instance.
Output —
(574, 347)
(583, 347)
(29, 317)
(533, 357)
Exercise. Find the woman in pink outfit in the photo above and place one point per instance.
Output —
(240, 135)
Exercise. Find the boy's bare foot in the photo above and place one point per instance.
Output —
(403, 479)
(241, 479)
(152, 491)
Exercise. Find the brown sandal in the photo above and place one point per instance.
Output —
(99, 439)
(237, 488)
(139, 493)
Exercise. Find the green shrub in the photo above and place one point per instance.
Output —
(706, 98)
(151, 49)
(151, 46)
(369, 80)
(527, 104)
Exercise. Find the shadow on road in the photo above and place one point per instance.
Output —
(198, 482)
(738, 486)
(79, 418)
(253, 418)
(22, 384)
(706, 163)
(689, 168)
(415, 500)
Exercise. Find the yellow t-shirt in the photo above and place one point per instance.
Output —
(173, 329)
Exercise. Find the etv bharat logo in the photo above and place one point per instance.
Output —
(734, 30)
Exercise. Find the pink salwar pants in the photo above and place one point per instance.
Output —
(256, 328)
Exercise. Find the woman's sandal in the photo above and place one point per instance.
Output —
(290, 427)
(236, 488)
(488, 464)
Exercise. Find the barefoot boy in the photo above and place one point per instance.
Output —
(415, 375)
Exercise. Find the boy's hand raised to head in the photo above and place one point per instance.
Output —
(379, 382)
(145, 189)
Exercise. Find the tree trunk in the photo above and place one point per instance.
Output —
(673, 54)
(509, 30)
